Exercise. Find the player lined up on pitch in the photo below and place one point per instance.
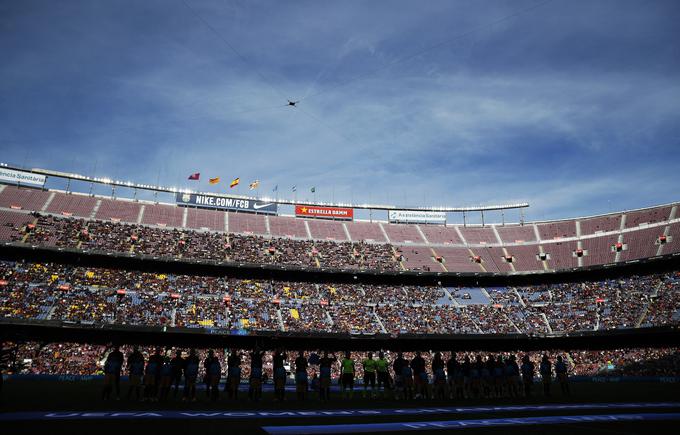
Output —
(313, 374)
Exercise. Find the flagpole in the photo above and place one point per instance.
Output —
(155, 193)
(94, 174)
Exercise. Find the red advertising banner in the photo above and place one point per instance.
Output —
(324, 212)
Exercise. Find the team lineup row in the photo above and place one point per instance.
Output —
(62, 358)
(490, 376)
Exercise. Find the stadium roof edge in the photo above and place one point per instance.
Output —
(377, 207)
(174, 190)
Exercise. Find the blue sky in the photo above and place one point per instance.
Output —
(573, 106)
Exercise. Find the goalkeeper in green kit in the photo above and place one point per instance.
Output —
(370, 366)
(382, 366)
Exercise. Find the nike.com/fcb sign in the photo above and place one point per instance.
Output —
(324, 212)
(222, 203)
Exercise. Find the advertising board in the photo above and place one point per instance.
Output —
(21, 177)
(417, 217)
(324, 212)
(225, 203)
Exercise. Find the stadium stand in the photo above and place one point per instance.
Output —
(400, 233)
(488, 261)
(673, 239)
(516, 233)
(600, 224)
(354, 319)
(601, 250)
(205, 219)
(497, 256)
(93, 296)
(641, 243)
(163, 215)
(118, 210)
(647, 216)
(557, 230)
(72, 204)
(419, 258)
(247, 223)
(23, 198)
(13, 224)
(478, 235)
(118, 237)
(445, 235)
(601, 240)
(282, 226)
(562, 255)
(365, 231)
(305, 317)
(525, 257)
(326, 230)
(458, 259)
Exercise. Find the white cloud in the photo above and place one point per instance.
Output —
(449, 125)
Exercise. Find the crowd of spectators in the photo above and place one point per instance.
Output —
(527, 319)
(46, 291)
(628, 362)
(666, 301)
(306, 317)
(606, 304)
(426, 319)
(354, 318)
(110, 236)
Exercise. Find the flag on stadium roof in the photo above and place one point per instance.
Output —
(214, 180)
(195, 176)
(313, 189)
(294, 188)
(276, 188)
(234, 182)
(255, 184)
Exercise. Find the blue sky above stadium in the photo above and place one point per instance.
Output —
(571, 106)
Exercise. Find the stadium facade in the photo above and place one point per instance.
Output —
(324, 275)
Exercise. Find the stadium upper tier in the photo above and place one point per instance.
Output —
(57, 219)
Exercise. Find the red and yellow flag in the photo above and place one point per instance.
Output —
(214, 180)
(235, 182)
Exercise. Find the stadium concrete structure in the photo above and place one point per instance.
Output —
(63, 234)
(532, 247)
(64, 254)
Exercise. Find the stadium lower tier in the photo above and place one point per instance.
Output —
(45, 291)
(475, 254)
(85, 359)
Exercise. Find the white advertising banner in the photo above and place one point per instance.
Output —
(21, 177)
(423, 217)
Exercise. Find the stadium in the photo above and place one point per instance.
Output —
(207, 302)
